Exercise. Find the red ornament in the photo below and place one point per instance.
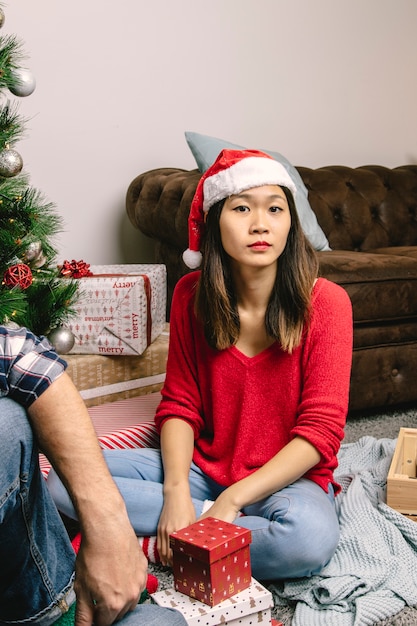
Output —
(19, 275)
(75, 269)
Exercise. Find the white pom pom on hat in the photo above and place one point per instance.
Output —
(192, 258)
(232, 172)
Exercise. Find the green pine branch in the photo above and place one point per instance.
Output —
(11, 124)
(50, 303)
(11, 57)
(13, 306)
(25, 218)
(28, 225)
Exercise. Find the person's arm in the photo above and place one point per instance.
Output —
(287, 466)
(177, 445)
(179, 416)
(110, 567)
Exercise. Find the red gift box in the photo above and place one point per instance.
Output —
(211, 560)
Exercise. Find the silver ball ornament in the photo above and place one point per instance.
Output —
(35, 255)
(33, 250)
(39, 261)
(11, 163)
(62, 339)
(25, 82)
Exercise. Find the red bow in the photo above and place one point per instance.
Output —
(75, 269)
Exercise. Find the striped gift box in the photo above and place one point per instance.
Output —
(123, 424)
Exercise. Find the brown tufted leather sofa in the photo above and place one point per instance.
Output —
(369, 215)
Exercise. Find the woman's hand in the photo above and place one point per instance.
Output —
(178, 512)
(223, 508)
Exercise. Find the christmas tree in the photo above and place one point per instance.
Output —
(33, 292)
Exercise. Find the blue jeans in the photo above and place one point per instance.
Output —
(36, 556)
(295, 531)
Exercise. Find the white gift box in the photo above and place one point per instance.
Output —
(250, 606)
(121, 309)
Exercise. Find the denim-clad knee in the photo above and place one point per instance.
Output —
(153, 615)
(296, 527)
(37, 560)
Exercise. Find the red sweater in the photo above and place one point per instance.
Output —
(242, 409)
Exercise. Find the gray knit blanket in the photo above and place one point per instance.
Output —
(373, 574)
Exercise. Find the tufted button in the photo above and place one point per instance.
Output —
(394, 372)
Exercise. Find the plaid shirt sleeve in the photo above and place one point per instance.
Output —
(28, 365)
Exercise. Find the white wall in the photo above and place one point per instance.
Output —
(324, 82)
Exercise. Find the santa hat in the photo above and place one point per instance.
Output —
(232, 172)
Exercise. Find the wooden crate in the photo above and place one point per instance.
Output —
(402, 475)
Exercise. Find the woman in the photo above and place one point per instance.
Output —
(256, 392)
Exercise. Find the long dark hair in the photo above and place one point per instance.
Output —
(288, 310)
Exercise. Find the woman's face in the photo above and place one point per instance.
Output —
(254, 225)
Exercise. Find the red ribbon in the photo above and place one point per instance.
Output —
(148, 293)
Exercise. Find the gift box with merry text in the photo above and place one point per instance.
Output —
(121, 309)
(250, 606)
(101, 379)
(211, 560)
